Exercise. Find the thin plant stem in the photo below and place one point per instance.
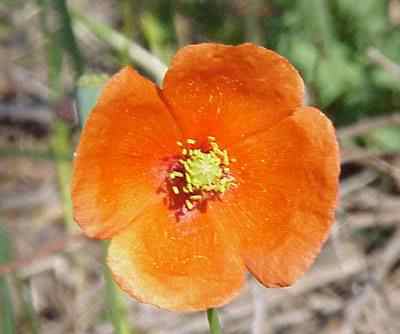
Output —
(253, 29)
(24, 293)
(61, 141)
(7, 314)
(60, 42)
(88, 90)
(61, 146)
(127, 9)
(116, 307)
(213, 321)
(119, 42)
(260, 310)
(67, 36)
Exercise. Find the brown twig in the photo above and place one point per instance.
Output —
(389, 256)
(365, 126)
(357, 154)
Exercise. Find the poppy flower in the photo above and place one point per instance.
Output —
(220, 172)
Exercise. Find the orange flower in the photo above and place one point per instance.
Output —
(222, 171)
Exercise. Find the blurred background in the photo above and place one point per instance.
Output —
(52, 279)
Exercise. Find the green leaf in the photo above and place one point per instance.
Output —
(387, 138)
(337, 75)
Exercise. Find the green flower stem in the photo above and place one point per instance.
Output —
(127, 13)
(24, 294)
(61, 146)
(252, 24)
(116, 308)
(213, 321)
(7, 314)
(121, 43)
(88, 90)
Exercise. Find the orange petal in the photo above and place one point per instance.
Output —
(181, 265)
(284, 204)
(230, 91)
(119, 161)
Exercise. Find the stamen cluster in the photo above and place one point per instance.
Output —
(200, 174)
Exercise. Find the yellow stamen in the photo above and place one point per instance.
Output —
(201, 172)
(175, 174)
(196, 197)
(189, 204)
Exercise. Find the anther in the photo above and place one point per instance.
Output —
(196, 197)
(225, 157)
(175, 189)
(176, 174)
(191, 141)
(189, 204)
